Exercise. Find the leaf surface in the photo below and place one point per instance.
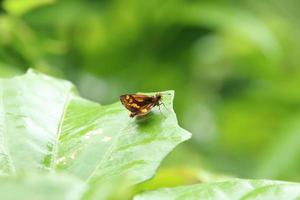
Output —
(236, 189)
(41, 187)
(45, 126)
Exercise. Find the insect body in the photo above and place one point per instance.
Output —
(139, 104)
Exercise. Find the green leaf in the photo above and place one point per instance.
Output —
(46, 126)
(7, 71)
(282, 153)
(41, 187)
(17, 7)
(231, 190)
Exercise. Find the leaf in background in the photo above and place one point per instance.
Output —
(17, 7)
(7, 71)
(231, 190)
(41, 187)
(45, 126)
(178, 176)
(282, 153)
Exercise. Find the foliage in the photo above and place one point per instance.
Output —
(46, 127)
(234, 67)
(41, 187)
(57, 145)
(233, 189)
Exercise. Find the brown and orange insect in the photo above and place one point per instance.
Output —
(139, 104)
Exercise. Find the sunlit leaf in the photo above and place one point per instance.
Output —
(17, 7)
(231, 190)
(41, 187)
(8, 71)
(46, 126)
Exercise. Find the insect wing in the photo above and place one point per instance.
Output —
(127, 101)
(146, 108)
(138, 104)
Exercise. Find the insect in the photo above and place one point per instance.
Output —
(139, 104)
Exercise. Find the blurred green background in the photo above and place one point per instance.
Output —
(233, 65)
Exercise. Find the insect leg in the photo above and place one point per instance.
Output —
(160, 110)
(132, 114)
(161, 103)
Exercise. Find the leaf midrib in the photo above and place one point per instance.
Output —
(59, 130)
